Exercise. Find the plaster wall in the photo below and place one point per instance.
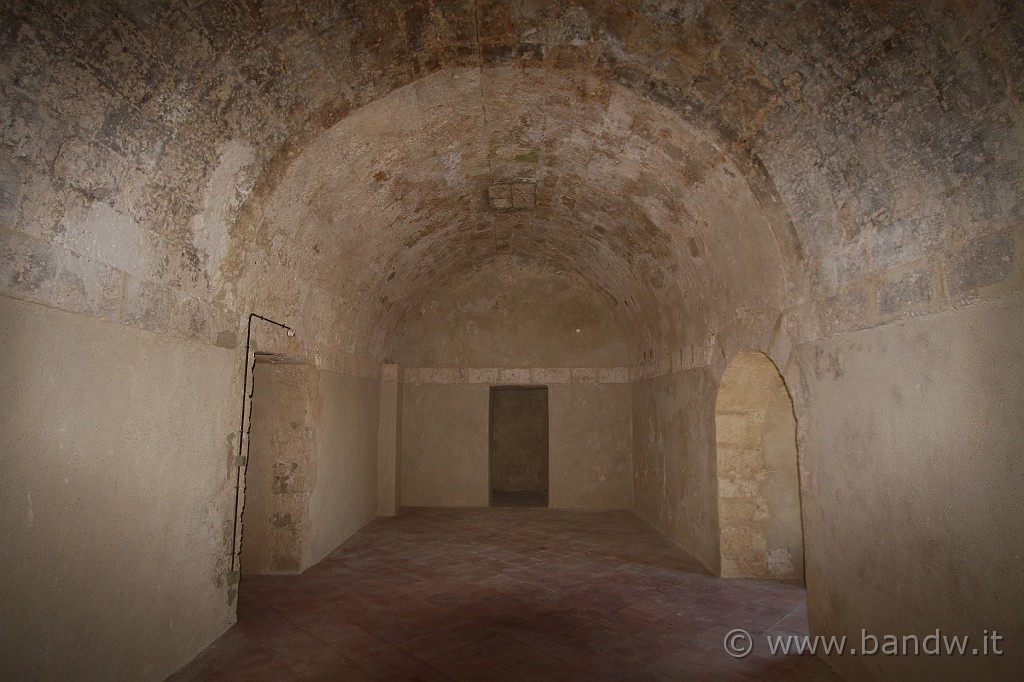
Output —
(445, 438)
(675, 487)
(784, 526)
(116, 494)
(388, 499)
(345, 496)
(912, 474)
(591, 465)
(444, 445)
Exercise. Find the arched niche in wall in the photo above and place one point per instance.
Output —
(760, 529)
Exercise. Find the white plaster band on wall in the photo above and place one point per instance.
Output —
(517, 376)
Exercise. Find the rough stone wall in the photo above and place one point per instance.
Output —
(619, 203)
(281, 471)
(742, 509)
(888, 134)
(513, 313)
(758, 485)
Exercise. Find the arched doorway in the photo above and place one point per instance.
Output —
(760, 529)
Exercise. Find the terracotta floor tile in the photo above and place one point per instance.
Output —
(516, 657)
(505, 594)
(438, 644)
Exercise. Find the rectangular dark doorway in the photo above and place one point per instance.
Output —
(519, 446)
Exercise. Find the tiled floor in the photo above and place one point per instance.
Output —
(519, 498)
(505, 594)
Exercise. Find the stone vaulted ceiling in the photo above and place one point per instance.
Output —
(765, 172)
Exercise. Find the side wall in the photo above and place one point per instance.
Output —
(912, 461)
(388, 498)
(345, 496)
(116, 496)
(675, 487)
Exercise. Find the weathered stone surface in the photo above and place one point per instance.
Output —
(726, 175)
(984, 262)
(904, 291)
(174, 82)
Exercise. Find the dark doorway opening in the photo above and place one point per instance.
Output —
(519, 446)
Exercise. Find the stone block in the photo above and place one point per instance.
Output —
(983, 262)
(89, 168)
(905, 292)
(847, 311)
(779, 562)
(148, 305)
(743, 541)
(10, 191)
(290, 477)
(741, 510)
(96, 230)
(584, 375)
(739, 485)
(742, 463)
(30, 130)
(77, 94)
(742, 428)
(85, 285)
(28, 267)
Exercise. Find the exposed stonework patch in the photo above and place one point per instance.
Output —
(226, 190)
(761, 533)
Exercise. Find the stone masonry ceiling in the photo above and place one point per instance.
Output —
(395, 197)
(726, 172)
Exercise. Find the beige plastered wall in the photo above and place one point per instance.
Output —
(912, 464)
(674, 486)
(388, 431)
(345, 496)
(444, 447)
(116, 495)
(591, 465)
